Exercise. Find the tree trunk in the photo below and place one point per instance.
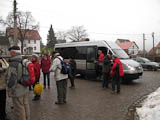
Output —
(22, 47)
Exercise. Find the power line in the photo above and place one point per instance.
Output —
(135, 34)
(114, 33)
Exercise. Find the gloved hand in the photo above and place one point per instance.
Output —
(111, 72)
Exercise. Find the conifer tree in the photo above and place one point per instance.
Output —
(51, 39)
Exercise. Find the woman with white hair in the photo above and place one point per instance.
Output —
(17, 91)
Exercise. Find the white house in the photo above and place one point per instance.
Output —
(130, 47)
(31, 43)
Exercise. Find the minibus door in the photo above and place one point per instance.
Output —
(90, 62)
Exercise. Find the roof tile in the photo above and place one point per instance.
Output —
(30, 34)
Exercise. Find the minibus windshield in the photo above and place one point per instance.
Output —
(120, 53)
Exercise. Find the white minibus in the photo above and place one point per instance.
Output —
(85, 53)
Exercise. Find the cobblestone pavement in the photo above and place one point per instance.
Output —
(89, 101)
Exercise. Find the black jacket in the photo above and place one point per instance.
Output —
(106, 64)
(73, 66)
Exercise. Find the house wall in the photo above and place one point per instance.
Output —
(35, 44)
(157, 51)
(27, 44)
(117, 42)
(11, 41)
(133, 50)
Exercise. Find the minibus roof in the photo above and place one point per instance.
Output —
(100, 43)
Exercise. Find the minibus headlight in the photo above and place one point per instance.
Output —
(128, 67)
(131, 68)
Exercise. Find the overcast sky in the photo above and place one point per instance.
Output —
(103, 19)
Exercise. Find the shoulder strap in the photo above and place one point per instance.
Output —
(59, 59)
(61, 62)
(4, 61)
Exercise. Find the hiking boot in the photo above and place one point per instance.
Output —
(113, 92)
(37, 97)
(72, 87)
(118, 92)
(58, 103)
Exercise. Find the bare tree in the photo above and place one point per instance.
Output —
(77, 33)
(25, 23)
(61, 35)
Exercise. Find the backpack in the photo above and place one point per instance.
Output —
(64, 69)
(28, 75)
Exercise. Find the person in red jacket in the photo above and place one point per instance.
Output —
(117, 73)
(45, 65)
(37, 72)
(99, 64)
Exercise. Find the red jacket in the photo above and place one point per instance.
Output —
(101, 57)
(117, 61)
(36, 69)
(45, 64)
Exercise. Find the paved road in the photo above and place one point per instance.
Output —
(90, 102)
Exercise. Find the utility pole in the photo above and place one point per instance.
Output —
(15, 22)
(144, 45)
(153, 46)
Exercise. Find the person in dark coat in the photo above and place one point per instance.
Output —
(3, 85)
(37, 73)
(45, 65)
(106, 70)
(117, 73)
(72, 73)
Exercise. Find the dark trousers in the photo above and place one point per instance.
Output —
(2, 104)
(48, 78)
(106, 77)
(71, 77)
(61, 90)
(116, 83)
(98, 70)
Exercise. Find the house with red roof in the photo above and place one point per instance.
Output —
(130, 47)
(31, 41)
(156, 50)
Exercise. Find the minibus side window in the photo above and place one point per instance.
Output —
(81, 53)
(67, 52)
(103, 49)
(91, 53)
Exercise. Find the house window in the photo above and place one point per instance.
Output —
(24, 45)
(158, 51)
(34, 48)
(34, 41)
(29, 41)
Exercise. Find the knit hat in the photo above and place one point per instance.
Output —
(35, 56)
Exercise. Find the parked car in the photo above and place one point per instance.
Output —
(147, 64)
